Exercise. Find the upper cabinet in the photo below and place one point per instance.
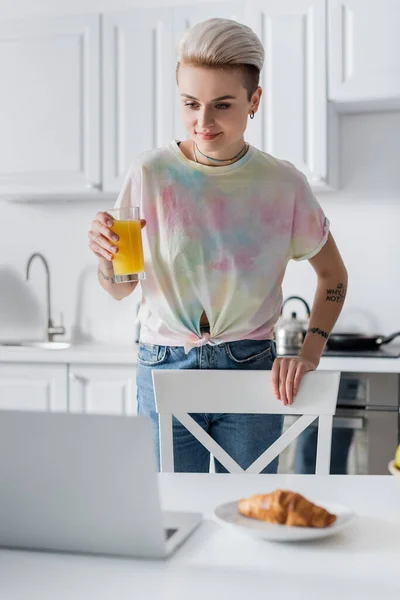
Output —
(364, 50)
(81, 96)
(50, 105)
(293, 122)
(138, 73)
(185, 17)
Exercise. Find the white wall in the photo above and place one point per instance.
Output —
(365, 221)
(59, 231)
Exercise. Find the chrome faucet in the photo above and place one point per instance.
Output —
(51, 329)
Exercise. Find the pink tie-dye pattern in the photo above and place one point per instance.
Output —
(222, 264)
(242, 259)
(179, 210)
(306, 224)
(275, 214)
(220, 219)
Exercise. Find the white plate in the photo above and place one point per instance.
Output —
(228, 514)
(394, 470)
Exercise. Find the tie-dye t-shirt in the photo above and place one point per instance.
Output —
(218, 240)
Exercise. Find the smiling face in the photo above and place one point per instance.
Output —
(215, 107)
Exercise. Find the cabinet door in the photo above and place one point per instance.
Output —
(138, 76)
(184, 17)
(49, 105)
(292, 121)
(102, 389)
(29, 387)
(364, 50)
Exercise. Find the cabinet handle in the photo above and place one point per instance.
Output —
(93, 186)
(356, 423)
(77, 378)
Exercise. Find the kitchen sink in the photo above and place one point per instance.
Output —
(40, 345)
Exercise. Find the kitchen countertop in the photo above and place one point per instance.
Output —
(113, 354)
(96, 353)
(357, 364)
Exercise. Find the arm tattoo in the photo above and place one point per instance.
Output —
(319, 331)
(336, 295)
(106, 277)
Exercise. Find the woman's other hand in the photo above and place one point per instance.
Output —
(287, 373)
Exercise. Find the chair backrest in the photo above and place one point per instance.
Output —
(182, 392)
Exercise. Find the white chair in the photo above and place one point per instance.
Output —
(182, 392)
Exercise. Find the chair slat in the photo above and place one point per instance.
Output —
(209, 443)
(324, 444)
(243, 391)
(281, 443)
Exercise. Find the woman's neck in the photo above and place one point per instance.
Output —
(224, 157)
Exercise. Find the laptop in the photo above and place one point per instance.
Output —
(87, 484)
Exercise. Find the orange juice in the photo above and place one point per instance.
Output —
(129, 258)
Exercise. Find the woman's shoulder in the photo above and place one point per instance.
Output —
(280, 170)
(152, 157)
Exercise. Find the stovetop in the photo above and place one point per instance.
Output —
(383, 352)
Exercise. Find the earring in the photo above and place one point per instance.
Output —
(252, 114)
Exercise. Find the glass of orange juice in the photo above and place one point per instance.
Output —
(128, 262)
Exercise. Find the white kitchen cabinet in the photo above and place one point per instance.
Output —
(364, 50)
(184, 17)
(41, 387)
(50, 105)
(102, 389)
(138, 75)
(294, 122)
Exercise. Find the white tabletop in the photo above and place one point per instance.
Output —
(216, 562)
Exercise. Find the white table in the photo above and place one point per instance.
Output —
(219, 563)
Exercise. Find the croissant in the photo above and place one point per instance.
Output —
(285, 508)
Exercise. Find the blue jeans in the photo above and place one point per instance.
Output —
(243, 436)
(306, 450)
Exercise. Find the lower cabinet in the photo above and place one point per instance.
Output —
(102, 389)
(77, 388)
(32, 386)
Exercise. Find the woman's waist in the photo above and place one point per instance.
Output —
(204, 335)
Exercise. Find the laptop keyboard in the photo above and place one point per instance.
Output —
(169, 532)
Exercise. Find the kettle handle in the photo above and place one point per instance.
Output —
(301, 300)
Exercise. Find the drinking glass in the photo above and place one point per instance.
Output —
(128, 262)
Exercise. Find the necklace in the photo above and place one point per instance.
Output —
(228, 160)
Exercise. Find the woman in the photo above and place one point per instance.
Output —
(222, 221)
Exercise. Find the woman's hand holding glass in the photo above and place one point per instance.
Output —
(102, 240)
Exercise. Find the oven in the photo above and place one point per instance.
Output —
(365, 428)
(368, 406)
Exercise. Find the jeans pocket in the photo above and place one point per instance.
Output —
(250, 351)
(152, 354)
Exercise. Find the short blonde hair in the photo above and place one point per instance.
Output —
(223, 43)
